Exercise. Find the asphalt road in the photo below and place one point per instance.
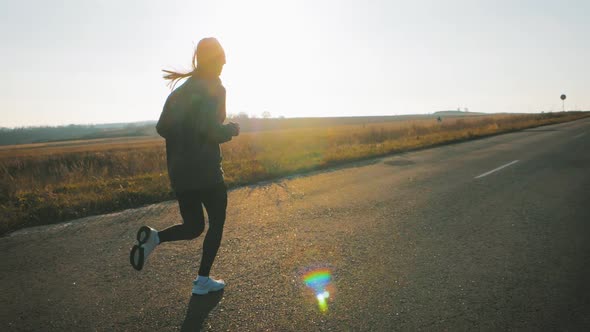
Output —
(417, 241)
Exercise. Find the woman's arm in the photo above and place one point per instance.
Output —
(221, 110)
(212, 114)
(170, 117)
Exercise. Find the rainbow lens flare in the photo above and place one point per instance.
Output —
(318, 280)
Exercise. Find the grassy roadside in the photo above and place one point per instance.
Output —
(49, 185)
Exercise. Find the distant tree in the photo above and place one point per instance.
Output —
(266, 115)
(242, 116)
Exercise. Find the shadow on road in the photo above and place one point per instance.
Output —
(198, 310)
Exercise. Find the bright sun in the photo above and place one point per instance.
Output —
(260, 49)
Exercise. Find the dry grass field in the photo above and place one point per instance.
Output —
(53, 182)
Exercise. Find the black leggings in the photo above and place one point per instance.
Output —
(215, 201)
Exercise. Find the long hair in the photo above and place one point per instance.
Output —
(174, 76)
(207, 50)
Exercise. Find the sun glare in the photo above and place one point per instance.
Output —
(262, 60)
(253, 35)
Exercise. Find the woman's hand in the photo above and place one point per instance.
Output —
(235, 128)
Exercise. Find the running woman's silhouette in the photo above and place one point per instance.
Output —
(192, 124)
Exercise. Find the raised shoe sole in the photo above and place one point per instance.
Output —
(136, 256)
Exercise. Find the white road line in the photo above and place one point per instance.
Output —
(496, 169)
(579, 135)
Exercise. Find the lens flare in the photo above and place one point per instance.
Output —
(318, 280)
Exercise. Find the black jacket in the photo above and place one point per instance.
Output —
(192, 124)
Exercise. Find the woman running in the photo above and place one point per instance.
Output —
(192, 124)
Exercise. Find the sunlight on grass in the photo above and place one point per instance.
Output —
(48, 183)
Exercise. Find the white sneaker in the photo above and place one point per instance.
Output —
(204, 286)
(147, 240)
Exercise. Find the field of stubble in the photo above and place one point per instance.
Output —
(48, 183)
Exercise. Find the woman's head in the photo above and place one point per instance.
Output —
(208, 61)
(209, 56)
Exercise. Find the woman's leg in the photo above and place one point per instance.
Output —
(215, 201)
(193, 220)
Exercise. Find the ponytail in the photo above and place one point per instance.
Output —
(174, 76)
(207, 50)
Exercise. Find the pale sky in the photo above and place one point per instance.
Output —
(80, 61)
